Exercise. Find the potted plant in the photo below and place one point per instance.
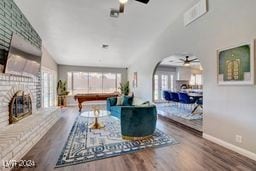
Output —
(62, 92)
(125, 88)
(62, 88)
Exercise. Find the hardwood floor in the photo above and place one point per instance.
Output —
(194, 124)
(192, 153)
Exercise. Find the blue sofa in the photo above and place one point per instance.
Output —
(137, 121)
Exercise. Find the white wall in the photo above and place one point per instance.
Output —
(228, 110)
(48, 61)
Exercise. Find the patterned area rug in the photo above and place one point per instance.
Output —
(85, 144)
(170, 109)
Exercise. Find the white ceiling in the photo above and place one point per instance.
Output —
(73, 31)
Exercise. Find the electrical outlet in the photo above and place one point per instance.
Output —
(239, 138)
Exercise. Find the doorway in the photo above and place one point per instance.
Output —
(178, 90)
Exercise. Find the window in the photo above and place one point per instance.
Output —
(80, 82)
(164, 84)
(46, 90)
(118, 80)
(196, 79)
(156, 87)
(172, 82)
(199, 79)
(109, 82)
(93, 82)
(70, 82)
(49, 78)
(192, 80)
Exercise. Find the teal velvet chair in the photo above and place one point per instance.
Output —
(137, 122)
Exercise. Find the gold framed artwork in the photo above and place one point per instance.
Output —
(236, 65)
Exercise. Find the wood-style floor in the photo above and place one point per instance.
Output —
(193, 153)
(196, 124)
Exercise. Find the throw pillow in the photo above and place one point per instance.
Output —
(113, 101)
(128, 101)
(120, 101)
(144, 104)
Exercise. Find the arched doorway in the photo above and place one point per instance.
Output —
(178, 90)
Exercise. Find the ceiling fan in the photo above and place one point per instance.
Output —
(187, 61)
(123, 2)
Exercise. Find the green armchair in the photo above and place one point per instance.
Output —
(137, 121)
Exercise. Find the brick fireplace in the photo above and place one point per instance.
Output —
(22, 122)
(20, 106)
(12, 86)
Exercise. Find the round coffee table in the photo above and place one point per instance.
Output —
(96, 113)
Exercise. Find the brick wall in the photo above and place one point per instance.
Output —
(9, 85)
(12, 21)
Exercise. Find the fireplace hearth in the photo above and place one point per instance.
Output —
(20, 107)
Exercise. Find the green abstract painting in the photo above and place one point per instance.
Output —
(234, 65)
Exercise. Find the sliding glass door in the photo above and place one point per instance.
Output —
(49, 78)
(163, 81)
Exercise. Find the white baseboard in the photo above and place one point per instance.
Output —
(229, 146)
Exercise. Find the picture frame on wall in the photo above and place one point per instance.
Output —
(236, 64)
(135, 80)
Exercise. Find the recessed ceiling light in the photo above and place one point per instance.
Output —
(105, 46)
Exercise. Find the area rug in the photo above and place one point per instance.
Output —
(85, 144)
(171, 109)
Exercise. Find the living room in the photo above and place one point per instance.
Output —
(78, 87)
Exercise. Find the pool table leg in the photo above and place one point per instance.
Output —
(80, 106)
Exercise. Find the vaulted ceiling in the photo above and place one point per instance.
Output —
(73, 31)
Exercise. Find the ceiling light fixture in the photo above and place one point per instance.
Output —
(123, 1)
(187, 64)
(201, 68)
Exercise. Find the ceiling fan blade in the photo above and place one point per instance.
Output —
(121, 8)
(143, 1)
(193, 60)
(182, 60)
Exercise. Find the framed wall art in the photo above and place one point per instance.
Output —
(236, 65)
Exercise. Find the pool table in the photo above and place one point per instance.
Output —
(92, 97)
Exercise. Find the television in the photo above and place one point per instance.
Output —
(23, 58)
